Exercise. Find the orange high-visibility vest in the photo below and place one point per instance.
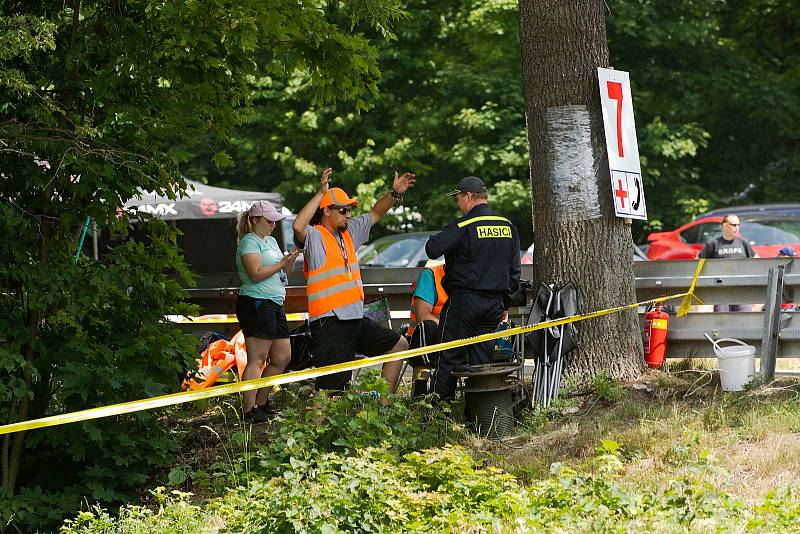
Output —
(441, 295)
(335, 284)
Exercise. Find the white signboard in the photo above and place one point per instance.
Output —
(623, 151)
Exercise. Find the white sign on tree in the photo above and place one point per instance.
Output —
(623, 151)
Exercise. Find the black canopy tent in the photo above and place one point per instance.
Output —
(207, 218)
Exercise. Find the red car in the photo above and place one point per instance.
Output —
(766, 233)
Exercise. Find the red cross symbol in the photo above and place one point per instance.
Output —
(621, 194)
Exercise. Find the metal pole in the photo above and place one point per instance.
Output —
(772, 311)
(95, 240)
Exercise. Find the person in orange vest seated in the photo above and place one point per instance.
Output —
(426, 306)
(335, 293)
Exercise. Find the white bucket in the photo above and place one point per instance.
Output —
(737, 364)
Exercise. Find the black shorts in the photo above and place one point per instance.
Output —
(424, 334)
(262, 318)
(336, 341)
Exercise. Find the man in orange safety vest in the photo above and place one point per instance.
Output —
(330, 236)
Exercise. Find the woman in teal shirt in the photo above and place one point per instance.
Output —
(259, 307)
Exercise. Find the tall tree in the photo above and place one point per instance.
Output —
(578, 239)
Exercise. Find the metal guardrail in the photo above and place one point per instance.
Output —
(765, 282)
(761, 281)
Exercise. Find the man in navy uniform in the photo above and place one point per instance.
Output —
(482, 270)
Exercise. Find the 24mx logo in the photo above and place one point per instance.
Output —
(236, 206)
(158, 209)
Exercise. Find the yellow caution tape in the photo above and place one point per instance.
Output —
(296, 376)
(687, 300)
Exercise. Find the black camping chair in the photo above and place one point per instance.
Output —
(549, 345)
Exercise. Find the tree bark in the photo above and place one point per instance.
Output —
(578, 238)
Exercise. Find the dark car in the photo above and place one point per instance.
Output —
(526, 258)
(401, 250)
(758, 211)
(767, 227)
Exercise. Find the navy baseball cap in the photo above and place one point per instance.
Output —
(470, 184)
(787, 251)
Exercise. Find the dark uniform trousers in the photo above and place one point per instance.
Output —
(465, 314)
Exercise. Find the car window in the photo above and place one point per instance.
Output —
(392, 253)
(287, 233)
(771, 232)
(700, 234)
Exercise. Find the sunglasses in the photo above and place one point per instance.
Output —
(345, 211)
(732, 224)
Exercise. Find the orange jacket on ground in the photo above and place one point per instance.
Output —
(218, 358)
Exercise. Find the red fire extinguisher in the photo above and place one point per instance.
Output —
(655, 337)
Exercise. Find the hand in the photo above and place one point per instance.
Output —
(401, 184)
(325, 180)
(289, 258)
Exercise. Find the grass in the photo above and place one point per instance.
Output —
(670, 424)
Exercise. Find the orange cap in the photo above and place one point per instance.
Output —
(336, 197)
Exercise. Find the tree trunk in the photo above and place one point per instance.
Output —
(13, 446)
(578, 238)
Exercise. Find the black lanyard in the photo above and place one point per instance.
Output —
(340, 242)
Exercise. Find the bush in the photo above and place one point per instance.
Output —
(102, 339)
(349, 422)
(174, 515)
(446, 490)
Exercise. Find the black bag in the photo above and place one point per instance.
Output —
(519, 297)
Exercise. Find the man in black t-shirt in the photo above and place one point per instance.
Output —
(728, 246)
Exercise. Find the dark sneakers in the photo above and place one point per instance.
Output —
(266, 409)
(255, 416)
(259, 414)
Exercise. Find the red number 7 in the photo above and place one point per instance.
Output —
(615, 93)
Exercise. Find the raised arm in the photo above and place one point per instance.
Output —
(305, 215)
(400, 185)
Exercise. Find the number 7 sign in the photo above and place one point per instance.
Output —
(623, 151)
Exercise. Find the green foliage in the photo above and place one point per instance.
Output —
(450, 106)
(446, 489)
(715, 114)
(101, 339)
(93, 96)
(607, 388)
(434, 490)
(375, 487)
(780, 511)
(347, 423)
(174, 514)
